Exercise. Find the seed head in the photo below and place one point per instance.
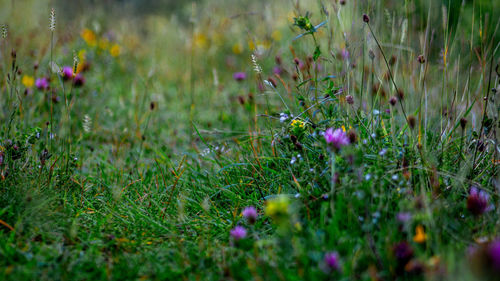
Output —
(412, 121)
(52, 25)
(256, 65)
(371, 54)
(272, 81)
(401, 94)
(349, 99)
(366, 18)
(4, 30)
(87, 123)
(277, 59)
(421, 59)
(75, 62)
(463, 123)
(353, 137)
(393, 60)
(393, 101)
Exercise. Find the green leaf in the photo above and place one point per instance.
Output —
(317, 53)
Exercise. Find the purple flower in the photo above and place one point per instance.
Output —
(239, 76)
(332, 261)
(79, 80)
(298, 63)
(477, 202)
(239, 232)
(277, 70)
(337, 138)
(403, 217)
(67, 73)
(250, 213)
(345, 54)
(317, 66)
(349, 99)
(403, 254)
(494, 254)
(42, 83)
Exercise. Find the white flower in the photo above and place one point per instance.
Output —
(283, 117)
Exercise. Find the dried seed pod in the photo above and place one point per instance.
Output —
(412, 121)
(366, 18)
(393, 101)
(349, 99)
(463, 123)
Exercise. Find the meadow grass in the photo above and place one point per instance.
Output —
(250, 140)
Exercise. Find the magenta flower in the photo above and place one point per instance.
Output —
(238, 233)
(332, 261)
(250, 213)
(477, 202)
(79, 80)
(345, 54)
(42, 83)
(239, 76)
(277, 70)
(67, 73)
(403, 217)
(494, 255)
(318, 67)
(337, 139)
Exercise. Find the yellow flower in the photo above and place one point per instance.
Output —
(276, 35)
(115, 50)
(237, 48)
(420, 235)
(298, 124)
(89, 37)
(200, 40)
(28, 81)
(103, 44)
(277, 206)
(251, 45)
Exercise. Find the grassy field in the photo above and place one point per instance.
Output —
(249, 140)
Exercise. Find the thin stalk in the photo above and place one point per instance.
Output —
(389, 69)
(488, 90)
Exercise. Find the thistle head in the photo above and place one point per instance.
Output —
(250, 213)
(336, 138)
(366, 18)
(332, 261)
(238, 233)
(477, 201)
